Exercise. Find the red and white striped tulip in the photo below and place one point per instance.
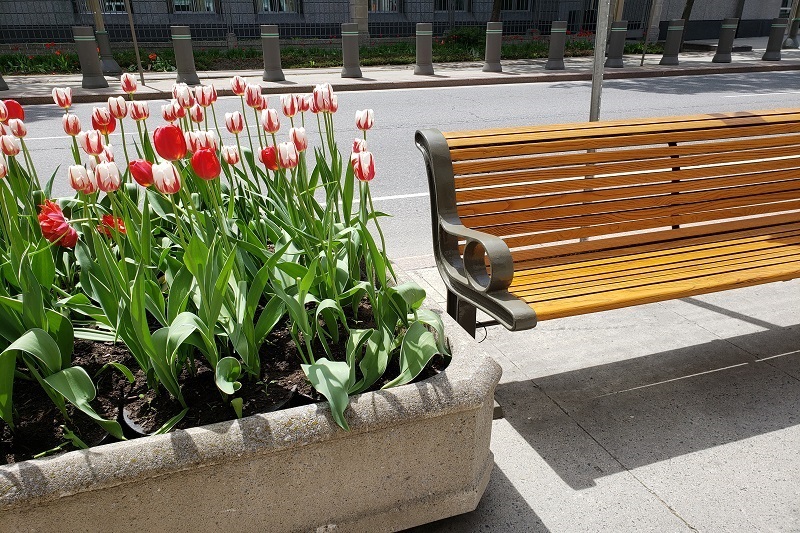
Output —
(107, 176)
(290, 104)
(71, 123)
(103, 121)
(169, 112)
(91, 141)
(304, 102)
(365, 119)
(199, 140)
(183, 95)
(80, 181)
(288, 157)
(334, 104)
(3, 112)
(17, 127)
(196, 113)
(299, 138)
(10, 145)
(3, 169)
(62, 96)
(363, 165)
(108, 154)
(270, 121)
(238, 85)
(252, 95)
(234, 122)
(230, 154)
(139, 110)
(359, 145)
(205, 95)
(323, 98)
(128, 83)
(118, 107)
(166, 178)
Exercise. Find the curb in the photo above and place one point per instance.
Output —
(451, 82)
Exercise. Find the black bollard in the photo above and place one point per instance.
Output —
(773, 52)
(184, 57)
(494, 43)
(86, 46)
(350, 66)
(3, 84)
(672, 46)
(558, 39)
(616, 44)
(272, 53)
(727, 34)
(424, 63)
(107, 62)
(791, 40)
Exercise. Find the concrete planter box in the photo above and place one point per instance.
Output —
(415, 454)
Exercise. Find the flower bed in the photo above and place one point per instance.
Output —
(193, 254)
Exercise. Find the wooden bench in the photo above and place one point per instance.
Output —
(545, 222)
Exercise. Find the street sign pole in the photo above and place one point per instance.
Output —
(600, 39)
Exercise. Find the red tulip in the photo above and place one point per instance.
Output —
(142, 172)
(290, 104)
(14, 110)
(269, 157)
(80, 181)
(365, 119)
(269, 120)
(17, 127)
(288, 157)
(108, 223)
(55, 227)
(72, 126)
(103, 121)
(230, 154)
(363, 165)
(169, 142)
(206, 164)
(62, 97)
(238, 85)
(299, 138)
(234, 122)
(118, 107)
(91, 141)
(166, 178)
(10, 145)
(128, 83)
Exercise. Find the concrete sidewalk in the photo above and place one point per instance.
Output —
(37, 89)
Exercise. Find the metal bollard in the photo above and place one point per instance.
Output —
(86, 46)
(272, 53)
(727, 34)
(107, 62)
(791, 41)
(3, 84)
(424, 63)
(558, 39)
(494, 42)
(672, 46)
(616, 44)
(350, 67)
(773, 52)
(184, 57)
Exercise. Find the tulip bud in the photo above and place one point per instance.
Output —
(62, 96)
(107, 176)
(287, 155)
(359, 145)
(10, 145)
(169, 142)
(234, 122)
(91, 141)
(183, 94)
(128, 83)
(238, 85)
(206, 164)
(14, 110)
(199, 140)
(269, 120)
(290, 103)
(205, 95)
(299, 138)
(3, 169)
(139, 110)
(166, 178)
(252, 95)
(107, 155)
(304, 103)
(142, 172)
(269, 157)
(365, 119)
(103, 121)
(118, 107)
(334, 104)
(71, 123)
(168, 113)
(196, 113)
(230, 154)
(80, 181)
(17, 127)
(3, 112)
(363, 165)
(323, 97)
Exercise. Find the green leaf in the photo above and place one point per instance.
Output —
(353, 350)
(418, 348)
(171, 423)
(412, 294)
(236, 403)
(119, 366)
(330, 378)
(426, 316)
(227, 372)
(375, 360)
(269, 318)
(179, 293)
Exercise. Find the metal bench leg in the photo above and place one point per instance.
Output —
(463, 312)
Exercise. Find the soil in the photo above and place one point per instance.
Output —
(40, 427)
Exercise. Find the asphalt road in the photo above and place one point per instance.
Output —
(400, 187)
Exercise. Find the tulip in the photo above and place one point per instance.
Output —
(365, 119)
(169, 113)
(323, 97)
(334, 104)
(107, 176)
(206, 164)
(118, 107)
(183, 95)
(3, 169)
(299, 138)
(17, 127)
(304, 103)
(139, 110)
(290, 104)
(72, 126)
(14, 110)
(234, 122)
(252, 95)
(103, 121)
(91, 141)
(169, 142)
(196, 113)
(287, 155)
(312, 104)
(269, 157)
(4, 129)
(359, 145)
(166, 178)
(108, 223)
(263, 104)
(269, 120)
(55, 227)
(363, 165)
(3, 112)
(10, 145)
(80, 181)
(230, 154)
(142, 172)
(199, 140)
(107, 155)
(62, 97)
(205, 95)
(128, 83)
(238, 85)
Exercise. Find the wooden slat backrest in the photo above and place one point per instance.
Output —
(551, 186)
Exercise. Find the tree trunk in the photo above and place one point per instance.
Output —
(687, 12)
(496, 5)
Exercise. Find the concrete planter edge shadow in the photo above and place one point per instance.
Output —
(415, 454)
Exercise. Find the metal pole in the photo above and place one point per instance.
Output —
(135, 43)
(651, 33)
(600, 36)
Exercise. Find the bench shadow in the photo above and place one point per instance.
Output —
(655, 408)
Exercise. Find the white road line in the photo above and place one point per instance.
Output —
(400, 197)
(749, 95)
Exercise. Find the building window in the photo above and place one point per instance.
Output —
(194, 6)
(280, 6)
(106, 6)
(786, 9)
(516, 5)
(447, 5)
(384, 6)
